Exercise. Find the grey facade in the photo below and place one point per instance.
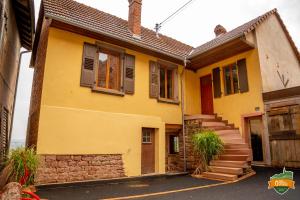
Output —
(16, 31)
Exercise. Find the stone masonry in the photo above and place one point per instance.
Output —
(191, 127)
(70, 168)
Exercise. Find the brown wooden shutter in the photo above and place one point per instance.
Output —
(176, 87)
(89, 64)
(154, 79)
(217, 82)
(243, 77)
(129, 73)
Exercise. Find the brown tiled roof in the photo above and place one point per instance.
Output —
(231, 35)
(74, 13)
(78, 14)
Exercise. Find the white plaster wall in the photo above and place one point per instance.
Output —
(280, 67)
(251, 37)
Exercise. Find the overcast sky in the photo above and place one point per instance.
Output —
(194, 26)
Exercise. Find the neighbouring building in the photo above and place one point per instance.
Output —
(16, 31)
(110, 97)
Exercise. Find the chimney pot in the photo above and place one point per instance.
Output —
(134, 17)
(219, 30)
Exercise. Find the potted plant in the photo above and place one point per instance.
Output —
(207, 145)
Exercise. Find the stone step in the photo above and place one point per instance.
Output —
(231, 136)
(219, 176)
(216, 128)
(213, 124)
(213, 120)
(233, 157)
(227, 170)
(232, 140)
(243, 151)
(226, 132)
(232, 125)
(199, 116)
(235, 146)
(227, 163)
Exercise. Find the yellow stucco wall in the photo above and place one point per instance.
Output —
(62, 79)
(75, 120)
(65, 130)
(229, 107)
(192, 100)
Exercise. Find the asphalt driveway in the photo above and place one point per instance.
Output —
(182, 187)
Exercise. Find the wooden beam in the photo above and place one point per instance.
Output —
(281, 94)
(173, 127)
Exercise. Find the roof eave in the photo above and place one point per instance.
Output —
(25, 18)
(57, 18)
(221, 52)
(193, 55)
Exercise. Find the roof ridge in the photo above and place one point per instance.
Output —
(126, 21)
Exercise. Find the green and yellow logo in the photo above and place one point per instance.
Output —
(282, 182)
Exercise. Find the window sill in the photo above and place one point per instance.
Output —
(225, 95)
(108, 91)
(231, 94)
(170, 101)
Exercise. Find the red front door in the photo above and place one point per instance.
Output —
(206, 95)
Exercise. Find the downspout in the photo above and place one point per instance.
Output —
(15, 95)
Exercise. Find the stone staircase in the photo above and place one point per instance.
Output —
(236, 158)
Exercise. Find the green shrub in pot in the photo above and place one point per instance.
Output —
(207, 144)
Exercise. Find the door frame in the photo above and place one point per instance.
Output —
(211, 92)
(247, 135)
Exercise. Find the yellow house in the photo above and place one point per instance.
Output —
(110, 97)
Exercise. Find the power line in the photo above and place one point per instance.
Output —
(159, 25)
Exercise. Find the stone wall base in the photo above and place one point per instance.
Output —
(71, 168)
(193, 161)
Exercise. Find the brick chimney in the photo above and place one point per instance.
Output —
(220, 30)
(134, 17)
